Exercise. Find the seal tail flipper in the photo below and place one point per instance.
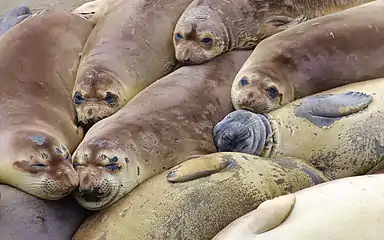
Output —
(330, 107)
(197, 168)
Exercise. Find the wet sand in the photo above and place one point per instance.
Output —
(36, 5)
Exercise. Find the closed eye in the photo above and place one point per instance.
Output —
(38, 165)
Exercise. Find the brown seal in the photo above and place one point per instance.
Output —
(209, 28)
(129, 48)
(26, 217)
(38, 62)
(315, 56)
(167, 123)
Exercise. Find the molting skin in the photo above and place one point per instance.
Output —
(242, 131)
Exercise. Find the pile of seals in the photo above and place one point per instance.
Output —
(192, 119)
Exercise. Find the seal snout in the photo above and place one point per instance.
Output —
(229, 136)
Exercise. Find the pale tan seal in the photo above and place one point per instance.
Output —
(225, 187)
(38, 63)
(339, 131)
(94, 10)
(129, 48)
(315, 56)
(350, 208)
(209, 28)
(26, 217)
(167, 123)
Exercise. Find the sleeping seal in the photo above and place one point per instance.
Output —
(349, 208)
(38, 63)
(209, 28)
(229, 185)
(315, 56)
(339, 131)
(167, 123)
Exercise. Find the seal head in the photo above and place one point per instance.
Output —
(242, 131)
(199, 36)
(42, 167)
(106, 174)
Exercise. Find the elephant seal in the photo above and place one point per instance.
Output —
(315, 56)
(13, 17)
(349, 208)
(208, 28)
(339, 131)
(38, 130)
(129, 48)
(26, 217)
(154, 131)
(225, 187)
(94, 10)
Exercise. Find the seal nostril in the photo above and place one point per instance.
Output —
(92, 195)
(90, 112)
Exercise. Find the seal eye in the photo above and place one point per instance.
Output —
(244, 81)
(75, 164)
(207, 41)
(112, 167)
(111, 98)
(40, 165)
(178, 36)
(78, 98)
(273, 92)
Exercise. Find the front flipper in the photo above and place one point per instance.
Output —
(198, 167)
(323, 110)
(281, 23)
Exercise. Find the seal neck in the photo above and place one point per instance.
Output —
(264, 132)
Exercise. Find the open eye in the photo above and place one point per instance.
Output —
(273, 92)
(40, 165)
(178, 36)
(207, 40)
(244, 81)
(111, 98)
(78, 98)
(112, 167)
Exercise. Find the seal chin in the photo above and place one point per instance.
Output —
(93, 111)
(192, 53)
(242, 131)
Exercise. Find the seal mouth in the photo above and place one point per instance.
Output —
(95, 201)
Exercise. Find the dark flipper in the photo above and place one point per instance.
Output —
(13, 17)
(323, 110)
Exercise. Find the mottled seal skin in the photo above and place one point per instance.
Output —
(13, 17)
(166, 124)
(339, 131)
(349, 208)
(198, 209)
(26, 217)
(315, 56)
(38, 130)
(209, 28)
(94, 10)
(129, 48)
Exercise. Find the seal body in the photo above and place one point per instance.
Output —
(349, 208)
(338, 131)
(38, 130)
(199, 208)
(26, 217)
(315, 56)
(208, 28)
(167, 123)
(94, 10)
(129, 48)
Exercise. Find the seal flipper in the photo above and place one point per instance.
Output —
(323, 110)
(197, 168)
(281, 23)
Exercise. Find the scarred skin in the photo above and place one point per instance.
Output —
(38, 130)
(129, 48)
(26, 217)
(207, 194)
(166, 124)
(315, 56)
(209, 28)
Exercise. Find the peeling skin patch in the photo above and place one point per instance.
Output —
(39, 140)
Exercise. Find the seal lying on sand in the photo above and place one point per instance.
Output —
(209, 28)
(349, 208)
(38, 63)
(129, 48)
(26, 217)
(315, 56)
(339, 131)
(94, 10)
(199, 209)
(13, 17)
(169, 122)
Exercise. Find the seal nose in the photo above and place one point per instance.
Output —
(69, 178)
(90, 195)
